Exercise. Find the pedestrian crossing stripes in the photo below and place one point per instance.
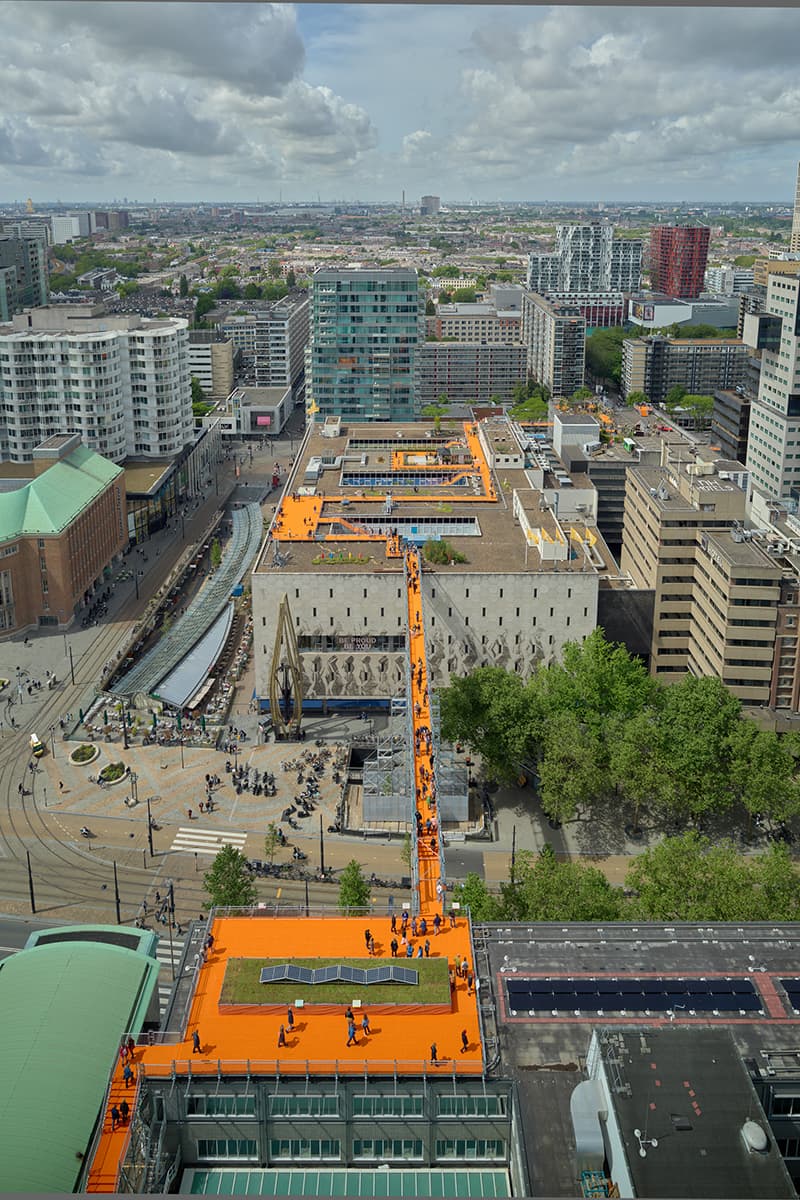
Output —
(201, 841)
(168, 966)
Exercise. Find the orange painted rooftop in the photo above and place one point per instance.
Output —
(399, 1040)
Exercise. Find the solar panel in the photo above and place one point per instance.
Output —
(630, 987)
(743, 987)
(326, 974)
(607, 987)
(300, 974)
(379, 974)
(696, 987)
(348, 974)
(271, 974)
(652, 986)
(587, 987)
(404, 975)
(562, 987)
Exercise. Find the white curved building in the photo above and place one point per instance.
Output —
(121, 382)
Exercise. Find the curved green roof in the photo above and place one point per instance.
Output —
(64, 1008)
(48, 503)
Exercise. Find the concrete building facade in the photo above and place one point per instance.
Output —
(555, 336)
(476, 323)
(656, 364)
(470, 373)
(794, 241)
(122, 382)
(273, 341)
(773, 455)
(23, 275)
(211, 362)
(366, 329)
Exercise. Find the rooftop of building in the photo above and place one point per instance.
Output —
(355, 273)
(684, 1096)
(47, 503)
(65, 1005)
(346, 493)
(145, 478)
(258, 397)
(738, 550)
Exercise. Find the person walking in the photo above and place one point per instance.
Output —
(125, 1109)
(413, 926)
(281, 1037)
(437, 924)
(464, 1041)
(394, 923)
(195, 1042)
(372, 947)
(420, 951)
(131, 1047)
(393, 947)
(452, 918)
(427, 947)
(114, 1117)
(351, 1034)
(290, 1019)
(348, 1013)
(367, 938)
(470, 981)
(128, 1076)
(434, 1053)
(410, 950)
(365, 1024)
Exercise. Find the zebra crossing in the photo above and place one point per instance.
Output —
(202, 841)
(168, 964)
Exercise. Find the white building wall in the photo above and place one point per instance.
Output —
(512, 620)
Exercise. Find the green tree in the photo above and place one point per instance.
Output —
(205, 303)
(474, 895)
(464, 295)
(637, 765)
(436, 411)
(251, 291)
(229, 883)
(697, 720)
(430, 308)
(762, 773)
(198, 395)
(216, 553)
(183, 287)
(353, 888)
(272, 839)
(674, 397)
(572, 767)
(291, 279)
(530, 401)
(581, 394)
(489, 710)
(545, 889)
(274, 268)
(405, 852)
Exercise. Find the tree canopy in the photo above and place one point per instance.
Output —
(229, 883)
(353, 888)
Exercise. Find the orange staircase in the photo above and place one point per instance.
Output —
(431, 884)
(111, 1145)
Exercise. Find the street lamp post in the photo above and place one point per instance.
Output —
(124, 716)
(183, 765)
(71, 666)
(150, 829)
(53, 739)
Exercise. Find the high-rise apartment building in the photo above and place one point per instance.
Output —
(121, 382)
(773, 451)
(655, 365)
(429, 206)
(678, 257)
(794, 241)
(543, 272)
(211, 362)
(469, 372)
(23, 275)
(592, 259)
(366, 329)
(273, 341)
(555, 335)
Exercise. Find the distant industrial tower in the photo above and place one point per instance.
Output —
(794, 244)
(678, 257)
(429, 206)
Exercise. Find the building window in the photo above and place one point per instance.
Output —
(785, 1106)
(304, 1106)
(305, 1148)
(388, 1106)
(471, 1106)
(470, 1148)
(227, 1148)
(387, 1147)
(221, 1106)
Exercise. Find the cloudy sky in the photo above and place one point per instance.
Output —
(100, 101)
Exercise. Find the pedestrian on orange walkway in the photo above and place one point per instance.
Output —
(125, 1109)
(464, 1041)
(427, 948)
(423, 927)
(434, 1053)
(452, 918)
(128, 1076)
(123, 1053)
(393, 947)
(410, 950)
(413, 926)
(394, 923)
(367, 937)
(470, 981)
(365, 1024)
(281, 1036)
(195, 1042)
(419, 951)
(352, 1040)
(372, 947)
(114, 1117)
(348, 1015)
(404, 921)
(437, 921)
(131, 1047)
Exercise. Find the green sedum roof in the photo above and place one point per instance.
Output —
(64, 1008)
(47, 504)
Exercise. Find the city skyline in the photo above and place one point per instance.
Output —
(269, 102)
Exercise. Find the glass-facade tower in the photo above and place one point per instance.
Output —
(366, 328)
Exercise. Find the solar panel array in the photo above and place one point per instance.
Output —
(792, 989)
(634, 995)
(339, 973)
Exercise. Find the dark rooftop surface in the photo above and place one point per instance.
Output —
(546, 1055)
(688, 1091)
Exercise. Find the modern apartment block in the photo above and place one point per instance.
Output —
(121, 382)
(23, 275)
(587, 258)
(211, 362)
(730, 423)
(429, 206)
(366, 330)
(794, 241)
(272, 340)
(773, 454)
(715, 595)
(678, 257)
(543, 272)
(600, 310)
(555, 336)
(476, 323)
(469, 372)
(729, 281)
(654, 365)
